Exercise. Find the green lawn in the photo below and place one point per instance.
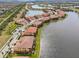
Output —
(75, 9)
(6, 33)
(10, 28)
(37, 48)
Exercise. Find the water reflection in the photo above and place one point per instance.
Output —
(61, 39)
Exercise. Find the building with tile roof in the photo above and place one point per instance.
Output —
(24, 45)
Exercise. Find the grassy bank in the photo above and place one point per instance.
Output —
(37, 48)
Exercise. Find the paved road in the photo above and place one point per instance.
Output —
(6, 48)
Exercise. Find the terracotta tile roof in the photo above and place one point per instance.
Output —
(37, 23)
(30, 18)
(24, 43)
(30, 31)
(21, 21)
(46, 18)
(60, 13)
(45, 15)
(41, 19)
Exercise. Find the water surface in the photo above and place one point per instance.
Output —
(37, 6)
(61, 39)
(34, 12)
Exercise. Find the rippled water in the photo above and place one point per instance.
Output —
(61, 39)
(34, 12)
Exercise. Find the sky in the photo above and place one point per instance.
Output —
(47, 0)
(39, 0)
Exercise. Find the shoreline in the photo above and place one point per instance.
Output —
(36, 54)
(40, 30)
